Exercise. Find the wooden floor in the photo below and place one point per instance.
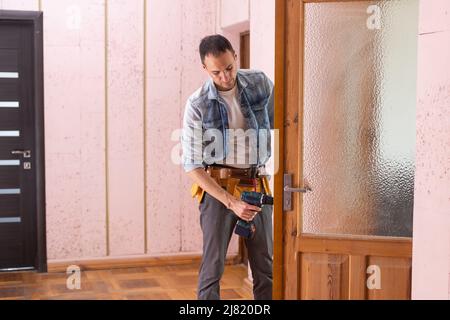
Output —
(143, 283)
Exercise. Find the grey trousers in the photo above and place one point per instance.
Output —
(217, 223)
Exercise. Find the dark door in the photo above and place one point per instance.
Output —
(18, 225)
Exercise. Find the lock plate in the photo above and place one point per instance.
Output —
(287, 196)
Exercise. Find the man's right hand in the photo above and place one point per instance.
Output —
(244, 210)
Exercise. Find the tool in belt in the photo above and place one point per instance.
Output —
(235, 180)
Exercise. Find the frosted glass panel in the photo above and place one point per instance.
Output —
(359, 117)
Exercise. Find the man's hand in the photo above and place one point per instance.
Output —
(244, 210)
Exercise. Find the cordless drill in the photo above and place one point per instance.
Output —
(247, 229)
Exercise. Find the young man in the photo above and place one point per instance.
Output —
(238, 101)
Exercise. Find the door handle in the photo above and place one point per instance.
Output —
(24, 153)
(288, 189)
(302, 190)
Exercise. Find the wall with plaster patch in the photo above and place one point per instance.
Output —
(431, 235)
(117, 75)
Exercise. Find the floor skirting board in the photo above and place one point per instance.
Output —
(132, 262)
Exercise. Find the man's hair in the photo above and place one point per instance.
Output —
(215, 45)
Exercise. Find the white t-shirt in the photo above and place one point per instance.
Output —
(236, 120)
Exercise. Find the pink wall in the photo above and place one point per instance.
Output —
(75, 128)
(116, 81)
(19, 4)
(431, 237)
(262, 40)
(174, 72)
(103, 154)
(233, 12)
(256, 16)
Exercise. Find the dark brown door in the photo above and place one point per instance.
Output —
(18, 232)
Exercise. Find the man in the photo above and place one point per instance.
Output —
(240, 100)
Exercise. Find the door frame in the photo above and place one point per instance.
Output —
(279, 103)
(288, 46)
(242, 248)
(35, 18)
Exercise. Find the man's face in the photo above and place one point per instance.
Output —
(222, 69)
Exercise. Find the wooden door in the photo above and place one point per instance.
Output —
(345, 108)
(21, 145)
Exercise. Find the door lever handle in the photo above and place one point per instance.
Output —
(24, 153)
(288, 189)
(302, 190)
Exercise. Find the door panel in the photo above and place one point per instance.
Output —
(340, 277)
(9, 176)
(10, 205)
(395, 278)
(8, 60)
(345, 107)
(9, 89)
(18, 242)
(324, 276)
(10, 38)
(9, 118)
(12, 245)
(7, 144)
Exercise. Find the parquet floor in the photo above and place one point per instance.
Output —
(143, 283)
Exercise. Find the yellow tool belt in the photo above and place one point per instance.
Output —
(234, 186)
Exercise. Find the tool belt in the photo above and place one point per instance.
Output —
(235, 181)
(228, 172)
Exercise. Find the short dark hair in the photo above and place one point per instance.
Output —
(215, 44)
